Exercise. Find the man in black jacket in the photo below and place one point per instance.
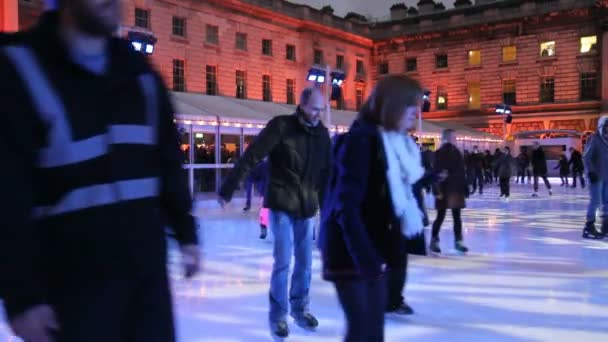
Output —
(475, 170)
(298, 149)
(539, 168)
(578, 167)
(91, 170)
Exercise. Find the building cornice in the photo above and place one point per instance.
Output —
(301, 17)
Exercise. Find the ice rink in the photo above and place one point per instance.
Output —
(529, 277)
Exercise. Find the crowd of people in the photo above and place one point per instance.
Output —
(83, 232)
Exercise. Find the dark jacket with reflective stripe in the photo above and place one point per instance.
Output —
(299, 162)
(94, 209)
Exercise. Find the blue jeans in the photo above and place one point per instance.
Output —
(598, 197)
(290, 234)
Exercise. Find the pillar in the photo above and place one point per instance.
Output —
(9, 15)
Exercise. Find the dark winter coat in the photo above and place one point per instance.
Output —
(539, 162)
(596, 156)
(359, 232)
(87, 195)
(488, 161)
(523, 161)
(299, 163)
(576, 161)
(506, 163)
(475, 162)
(452, 192)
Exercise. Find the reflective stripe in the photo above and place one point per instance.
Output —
(47, 102)
(132, 134)
(94, 147)
(99, 195)
(62, 149)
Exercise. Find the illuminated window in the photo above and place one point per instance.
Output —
(509, 95)
(588, 44)
(474, 57)
(547, 49)
(442, 98)
(474, 95)
(509, 53)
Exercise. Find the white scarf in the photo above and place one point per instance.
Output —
(404, 170)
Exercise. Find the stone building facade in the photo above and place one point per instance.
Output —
(548, 59)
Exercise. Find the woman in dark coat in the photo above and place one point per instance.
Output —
(361, 236)
(452, 192)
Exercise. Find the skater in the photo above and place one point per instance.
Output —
(452, 192)
(496, 159)
(539, 168)
(362, 228)
(428, 159)
(596, 161)
(564, 169)
(298, 147)
(505, 172)
(578, 167)
(95, 174)
(475, 170)
(523, 166)
(488, 161)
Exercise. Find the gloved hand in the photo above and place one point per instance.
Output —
(593, 177)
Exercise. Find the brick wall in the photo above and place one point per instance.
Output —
(228, 59)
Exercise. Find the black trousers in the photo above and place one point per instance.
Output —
(545, 179)
(456, 215)
(564, 179)
(476, 178)
(488, 176)
(396, 277)
(579, 174)
(363, 303)
(505, 186)
(521, 175)
(121, 308)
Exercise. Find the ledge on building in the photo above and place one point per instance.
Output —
(178, 39)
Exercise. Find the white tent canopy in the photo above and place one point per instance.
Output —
(218, 109)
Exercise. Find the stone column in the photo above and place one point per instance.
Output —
(604, 69)
(9, 15)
